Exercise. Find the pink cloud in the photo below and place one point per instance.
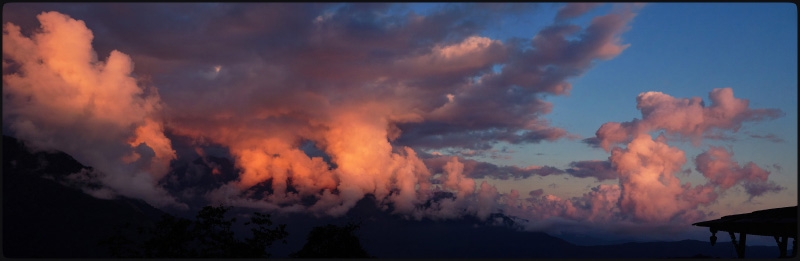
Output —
(364, 92)
(650, 191)
(718, 166)
(60, 96)
(572, 10)
(686, 117)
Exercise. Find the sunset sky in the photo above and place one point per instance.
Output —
(619, 118)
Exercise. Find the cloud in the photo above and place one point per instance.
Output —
(718, 166)
(755, 189)
(487, 200)
(512, 198)
(686, 117)
(506, 106)
(320, 105)
(60, 96)
(646, 167)
(650, 190)
(769, 136)
(479, 170)
(572, 10)
(600, 170)
(364, 85)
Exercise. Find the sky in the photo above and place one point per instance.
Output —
(624, 119)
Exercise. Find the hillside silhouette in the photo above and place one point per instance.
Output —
(44, 218)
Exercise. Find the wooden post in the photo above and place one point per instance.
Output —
(713, 237)
(742, 243)
(782, 242)
(739, 246)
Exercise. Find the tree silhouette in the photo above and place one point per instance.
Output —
(209, 235)
(332, 242)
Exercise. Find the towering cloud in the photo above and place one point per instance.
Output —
(650, 190)
(58, 95)
(647, 167)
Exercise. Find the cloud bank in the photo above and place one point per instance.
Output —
(319, 105)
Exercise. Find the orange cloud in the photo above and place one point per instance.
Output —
(60, 96)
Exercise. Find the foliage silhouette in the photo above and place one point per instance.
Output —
(209, 235)
(332, 241)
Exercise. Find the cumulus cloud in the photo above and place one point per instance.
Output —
(57, 95)
(364, 85)
(650, 190)
(646, 167)
(687, 117)
(718, 166)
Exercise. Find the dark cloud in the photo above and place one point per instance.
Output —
(755, 189)
(479, 170)
(593, 142)
(536, 193)
(600, 170)
(770, 137)
(335, 49)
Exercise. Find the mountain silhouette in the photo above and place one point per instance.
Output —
(42, 217)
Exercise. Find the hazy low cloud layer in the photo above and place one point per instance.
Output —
(366, 87)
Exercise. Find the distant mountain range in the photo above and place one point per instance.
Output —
(42, 217)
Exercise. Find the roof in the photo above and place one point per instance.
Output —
(768, 222)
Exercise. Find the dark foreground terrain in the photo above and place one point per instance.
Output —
(43, 218)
